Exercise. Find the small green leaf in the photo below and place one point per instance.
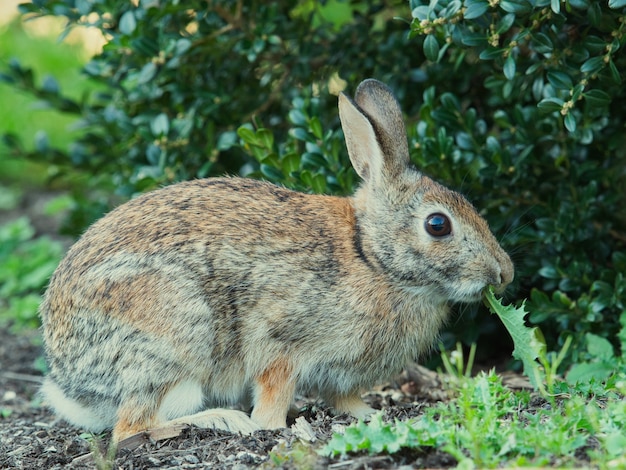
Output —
(592, 65)
(542, 43)
(570, 122)
(556, 6)
(431, 48)
(271, 173)
(560, 80)
(475, 9)
(160, 125)
(300, 134)
(516, 6)
(226, 140)
(290, 162)
(491, 53)
(509, 68)
(617, 78)
(505, 23)
(128, 23)
(597, 98)
(247, 135)
(316, 127)
(297, 117)
(549, 105)
(617, 4)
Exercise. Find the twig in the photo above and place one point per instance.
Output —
(23, 377)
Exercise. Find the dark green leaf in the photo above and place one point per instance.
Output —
(516, 6)
(300, 134)
(505, 23)
(593, 65)
(615, 75)
(271, 173)
(570, 122)
(431, 48)
(491, 53)
(475, 9)
(597, 98)
(560, 80)
(509, 67)
(549, 105)
(541, 43)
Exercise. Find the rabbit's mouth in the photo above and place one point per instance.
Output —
(466, 294)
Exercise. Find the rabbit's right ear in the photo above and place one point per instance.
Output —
(374, 131)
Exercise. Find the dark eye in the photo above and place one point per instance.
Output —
(438, 225)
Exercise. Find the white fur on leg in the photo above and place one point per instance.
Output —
(184, 399)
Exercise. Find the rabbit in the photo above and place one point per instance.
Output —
(203, 294)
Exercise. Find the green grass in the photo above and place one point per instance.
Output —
(486, 425)
(22, 114)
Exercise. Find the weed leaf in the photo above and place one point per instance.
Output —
(529, 344)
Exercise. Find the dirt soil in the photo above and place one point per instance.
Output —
(32, 438)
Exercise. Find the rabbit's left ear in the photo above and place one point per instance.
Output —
(374, 131)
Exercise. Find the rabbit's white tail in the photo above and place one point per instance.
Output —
(88, 418)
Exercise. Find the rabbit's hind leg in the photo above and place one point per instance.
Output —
(273, 395)
(352, 404)
(141, 411)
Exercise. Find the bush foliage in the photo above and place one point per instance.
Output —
(517, 103)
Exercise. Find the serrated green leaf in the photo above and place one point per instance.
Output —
(528, 342)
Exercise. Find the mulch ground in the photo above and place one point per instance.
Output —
(33, 438)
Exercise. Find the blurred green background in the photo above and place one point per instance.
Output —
(517, 104)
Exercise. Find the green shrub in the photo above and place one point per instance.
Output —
(26, 263)
(517, 103)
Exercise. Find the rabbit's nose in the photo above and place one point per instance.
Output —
(506, 272)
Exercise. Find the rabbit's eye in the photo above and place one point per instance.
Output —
(438, 225)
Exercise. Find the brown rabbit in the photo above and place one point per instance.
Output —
(219, 290)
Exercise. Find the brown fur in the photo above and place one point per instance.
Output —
(225, 290)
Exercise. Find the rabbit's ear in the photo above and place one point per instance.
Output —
(374, 131)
